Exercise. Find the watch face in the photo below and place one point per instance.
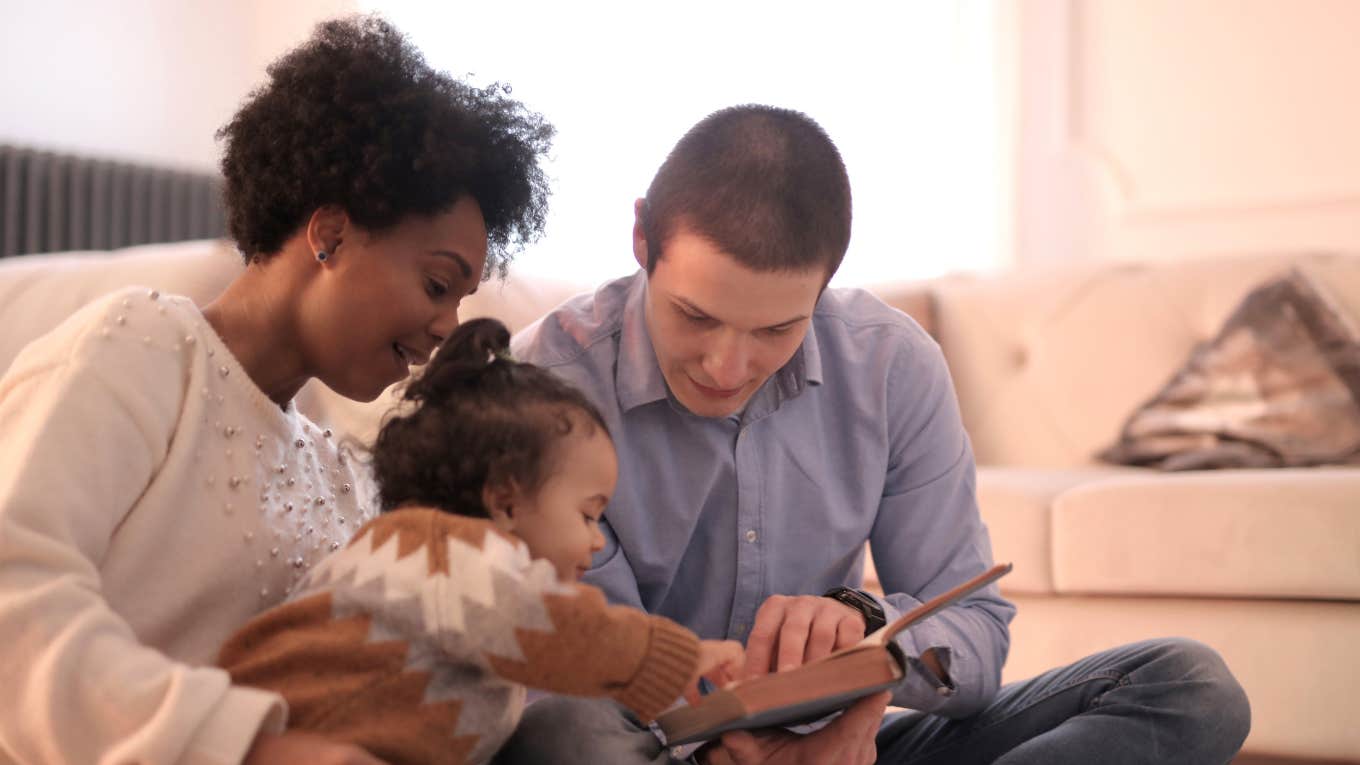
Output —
(868, 602)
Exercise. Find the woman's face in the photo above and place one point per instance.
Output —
(386, 301)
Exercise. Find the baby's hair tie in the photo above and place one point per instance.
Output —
(504, 355)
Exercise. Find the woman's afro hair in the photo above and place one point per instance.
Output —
(354, 117)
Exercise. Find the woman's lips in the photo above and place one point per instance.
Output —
(410, 356)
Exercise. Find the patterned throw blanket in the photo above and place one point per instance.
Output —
(1278, 387)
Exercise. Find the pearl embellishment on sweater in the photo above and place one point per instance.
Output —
(300, 489)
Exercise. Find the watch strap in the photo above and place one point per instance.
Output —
(862, 602)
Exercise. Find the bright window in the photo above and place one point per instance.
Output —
(908, 91)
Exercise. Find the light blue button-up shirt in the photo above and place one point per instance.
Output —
(856, 438)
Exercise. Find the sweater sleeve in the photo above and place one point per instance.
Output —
(77, 449)
(565, 638)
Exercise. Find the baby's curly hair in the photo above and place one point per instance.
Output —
(479, 418)
(355, 117)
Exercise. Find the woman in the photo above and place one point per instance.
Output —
(157, 486)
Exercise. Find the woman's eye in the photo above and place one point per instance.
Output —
(777, 330)
(695, 318)
(435, 288)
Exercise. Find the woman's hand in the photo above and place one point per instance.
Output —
(299, 746)
(719, 661)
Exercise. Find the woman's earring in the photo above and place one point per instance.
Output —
(321, 256)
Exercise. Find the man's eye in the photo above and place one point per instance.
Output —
(695, 318)
(435, 288)
(784, 330)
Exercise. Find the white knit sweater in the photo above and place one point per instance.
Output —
(152, 499)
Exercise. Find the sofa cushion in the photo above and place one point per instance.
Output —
(38, 292)
(1048, 363)
(1286, 533)
(1016, 504)
(1279, 386)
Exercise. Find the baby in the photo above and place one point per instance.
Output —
(418, 639)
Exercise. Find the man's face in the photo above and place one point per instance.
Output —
(719, 329)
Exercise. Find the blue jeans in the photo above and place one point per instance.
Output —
(1159, 701)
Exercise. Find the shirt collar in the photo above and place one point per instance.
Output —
(802, 370)
(638, 378)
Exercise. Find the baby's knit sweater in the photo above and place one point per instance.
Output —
(417, 641)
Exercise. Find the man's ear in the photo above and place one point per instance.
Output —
(499, 499)
(640, 232)
(326, 229)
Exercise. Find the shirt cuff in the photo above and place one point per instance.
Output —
(920, 689)
(890, 612)
(230, 730)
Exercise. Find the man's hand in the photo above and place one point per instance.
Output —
(792, 630)
(719, 661)
(848, 740)
(298, 746)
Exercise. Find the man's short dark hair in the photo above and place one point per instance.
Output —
(764, 184)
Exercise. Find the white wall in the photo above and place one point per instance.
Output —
(139, 79)
(1162, 128)
(908, 90)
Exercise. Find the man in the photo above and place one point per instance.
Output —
(766, 428)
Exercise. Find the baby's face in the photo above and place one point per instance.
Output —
(562, 521)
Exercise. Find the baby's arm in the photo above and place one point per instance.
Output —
(568, 640)
(532, 629)
(593, 649)
(462, 589)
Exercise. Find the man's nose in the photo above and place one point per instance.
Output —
(727, 361)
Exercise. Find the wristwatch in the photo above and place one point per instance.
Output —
(861, 602)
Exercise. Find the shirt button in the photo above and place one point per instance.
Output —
(750, 535)
(677, 752)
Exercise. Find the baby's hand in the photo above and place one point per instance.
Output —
(719, 661)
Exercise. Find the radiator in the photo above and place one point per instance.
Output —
(51, 202)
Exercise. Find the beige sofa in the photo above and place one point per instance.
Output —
(1263, 565)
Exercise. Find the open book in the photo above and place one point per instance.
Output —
(817, 688)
